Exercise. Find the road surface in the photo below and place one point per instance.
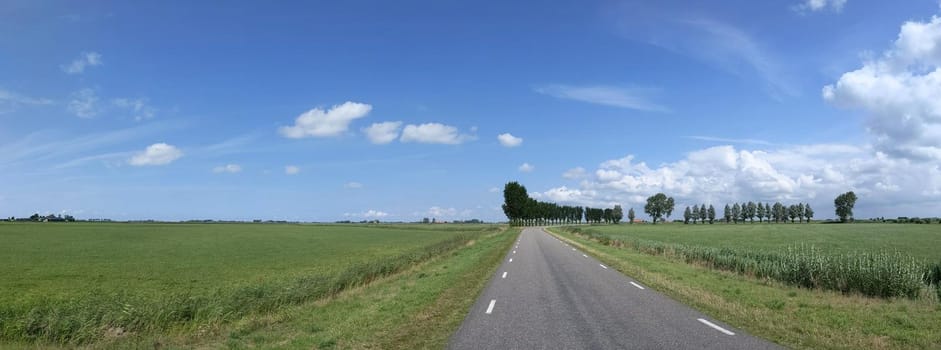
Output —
(549, 295)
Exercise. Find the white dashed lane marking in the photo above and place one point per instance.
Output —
(637, 285)
(713, 325)
(490, 308)
(602, 266)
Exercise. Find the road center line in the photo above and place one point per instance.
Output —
(493, 301)
(504, 274)
(713, 325)
(514, 252)
(637, 285)
(511, 259)
(573, 248)
(602, 265)
(585, 255)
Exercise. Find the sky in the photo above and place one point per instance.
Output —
(363, 110)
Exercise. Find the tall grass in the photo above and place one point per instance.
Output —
(90, 318)
(874, 274)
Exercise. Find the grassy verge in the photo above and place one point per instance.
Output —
(791, 316)
(417, 309)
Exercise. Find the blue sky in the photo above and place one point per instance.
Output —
(395, 110)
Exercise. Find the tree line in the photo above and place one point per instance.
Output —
(523, 210)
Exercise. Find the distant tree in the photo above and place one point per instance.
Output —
(792, 212)
(744, 214)
(777, 211)
(687, 214)
(727, 213)
(34, 217)
(696, 214)
(516, 202)
(768, 213)
(800, 213)
(425, 220)
(711, 214)
(608, 215)
(808, 212)
(752, 211)
(658, 206)
(844, 205)
(617, 214)
(761, 212)
(736, 212)
(630, 215)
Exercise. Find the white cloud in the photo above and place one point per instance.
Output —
(810, 174)
(526, 168)
(353, 185)
(228, 168)
(494, 190)
(442, 214)
(434, 133)
(383, 133)
(319, 123)
(631, 98)
(139, 107)
(820, 5)
(369, 214)
(292, 170)
(508, 140)
(86, 59)
(84, 103)
(728, 140)
(156, 154)
(574, 173)
(901, 92)
(10, 100)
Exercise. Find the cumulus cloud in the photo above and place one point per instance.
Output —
(369, 214)
(811, 174)
(139, 107)
(228, 168)
(434, 133)
(353, 185)
(901, 92)
(446, 213)
(820, 5)
(575, 173)
(292, 170)
(526, 168)
(621, 97)
(84, 103)
(156, 154)
(383, 133)
(320, 123)
(86, 59)
(508, 140)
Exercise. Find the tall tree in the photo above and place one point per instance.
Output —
(703, 214)
(844, 205)
(736, 212)
(744, 214)
(617, 214)
(515, 201)
(761, 213)
(630, 215)
(768, 213)
(808, 212)
(712, 214)
(696, 214)
(777, 211)
(800, 213)
(727, 213)
(658, 206)
(687, 214)
(752, 211)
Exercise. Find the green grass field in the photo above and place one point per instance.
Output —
(920, 241)
(678, 260)
(70, 283)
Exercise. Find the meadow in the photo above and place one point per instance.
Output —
(801, 285)
(77, 283)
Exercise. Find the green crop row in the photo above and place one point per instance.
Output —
(96, 315)
(874, 274)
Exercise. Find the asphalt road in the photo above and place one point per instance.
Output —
(548, 295)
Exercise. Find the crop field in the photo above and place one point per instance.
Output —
(802, 285)
(919, 241)
(71, 283)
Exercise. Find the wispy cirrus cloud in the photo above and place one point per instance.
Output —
(820, 5)
(86, 59)
(10, 100)
(614, 96)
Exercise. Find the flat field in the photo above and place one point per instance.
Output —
(69, 283)
(916, 240)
